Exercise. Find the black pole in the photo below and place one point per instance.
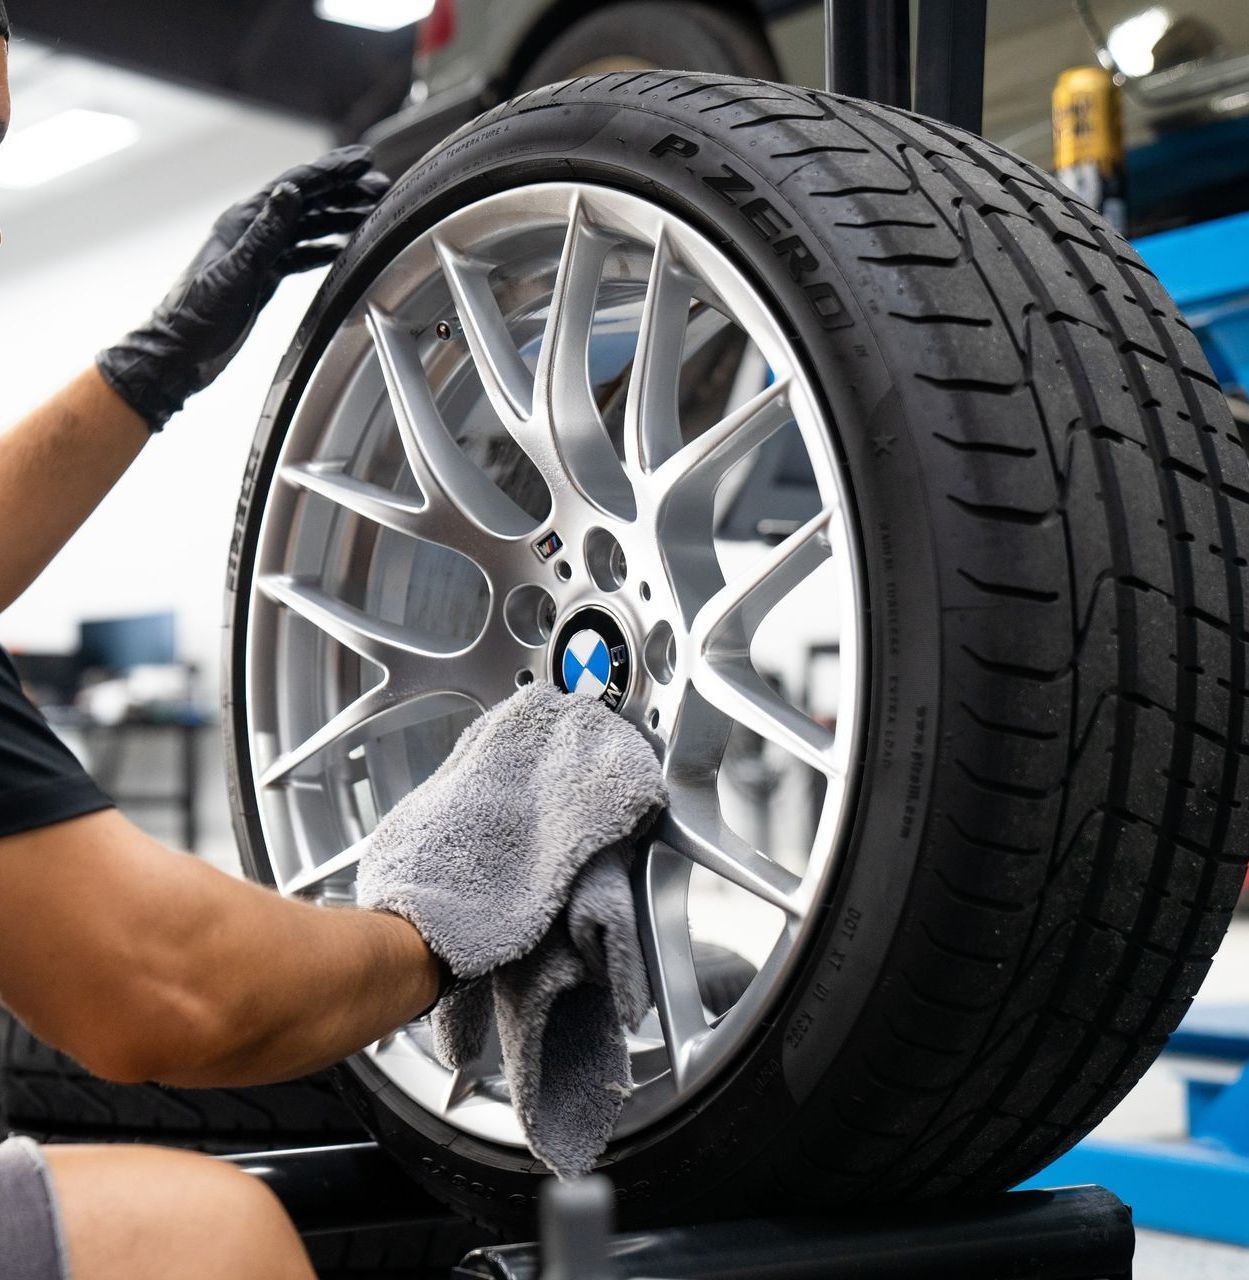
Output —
(867, 49)
(889, 52)
(949, 80)
(845, 47)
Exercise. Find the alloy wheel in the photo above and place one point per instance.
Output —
(562, 437)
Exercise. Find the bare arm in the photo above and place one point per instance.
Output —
(146, 964)
(55, 467)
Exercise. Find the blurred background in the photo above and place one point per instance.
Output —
(136, 124)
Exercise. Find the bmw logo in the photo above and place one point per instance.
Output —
(591, 657)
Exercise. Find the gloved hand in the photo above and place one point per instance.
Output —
(512, 861)
(200, 326)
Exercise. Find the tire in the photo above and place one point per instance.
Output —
(645, 34)
(50, 1097)
(1046, 842)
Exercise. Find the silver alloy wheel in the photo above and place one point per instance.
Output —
(553, 401)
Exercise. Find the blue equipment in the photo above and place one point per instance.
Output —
(1198, 1186)
(1206, 270)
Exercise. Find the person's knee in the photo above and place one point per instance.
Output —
(135, 1212)
(260, 1233)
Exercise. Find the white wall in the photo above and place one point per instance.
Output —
(82, 261)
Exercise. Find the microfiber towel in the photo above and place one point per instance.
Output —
(513, 862)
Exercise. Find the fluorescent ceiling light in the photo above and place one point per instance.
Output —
(1132, 42)
(375, 15)
(60, 144)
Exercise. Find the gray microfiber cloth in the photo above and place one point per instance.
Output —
(513, 862)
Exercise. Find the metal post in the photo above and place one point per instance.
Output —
(889, 52)
(845, 47)
(867, 49)
(867, 54)
(950, 62)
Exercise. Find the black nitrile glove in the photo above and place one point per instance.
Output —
(209, 312)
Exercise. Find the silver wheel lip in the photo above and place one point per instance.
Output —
(495, 1121)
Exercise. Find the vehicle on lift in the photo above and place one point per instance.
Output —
(925, 519)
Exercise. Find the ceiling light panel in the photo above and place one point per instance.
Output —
(374, 15)
(69, 140)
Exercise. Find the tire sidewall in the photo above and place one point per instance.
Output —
(701, 1160)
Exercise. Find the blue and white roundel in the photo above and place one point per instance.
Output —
(587, 664)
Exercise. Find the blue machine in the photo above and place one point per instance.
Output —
(1206, 270)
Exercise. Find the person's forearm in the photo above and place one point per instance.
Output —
(293, 987)
(55, 467)
(145, 964)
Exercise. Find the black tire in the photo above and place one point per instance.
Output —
(642, 33)
(50, 1097)
(1047, 840)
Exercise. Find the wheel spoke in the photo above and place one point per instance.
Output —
(386, 708)
(419, 681)
(562, 392)
(456, 490)
(721, 633)
(702, 463)
(740, 692)
(694, 827)
(652, 426)
(663, 926)
(369, 500)
(505, 378)
(729, 620)
(317, 875)
(385, 643)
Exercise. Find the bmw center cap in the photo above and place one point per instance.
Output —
(591, 657)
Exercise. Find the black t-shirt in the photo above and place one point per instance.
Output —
(40, 780)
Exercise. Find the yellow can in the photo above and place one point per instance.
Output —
(1088, 139)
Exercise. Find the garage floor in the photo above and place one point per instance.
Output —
(1160, 1257)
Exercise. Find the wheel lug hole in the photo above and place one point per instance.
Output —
(529, 613)
(605, 560)
(659, 653)
(652, 718)
(563, 570)
(644, 590)
(523, 678)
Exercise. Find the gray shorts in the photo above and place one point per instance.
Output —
(31, 1247)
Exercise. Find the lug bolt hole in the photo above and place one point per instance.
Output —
(659, 653)
(563, 570)
(530, 614)
(644, 590)
(523, 678)
(605, 559)
(652, 718)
